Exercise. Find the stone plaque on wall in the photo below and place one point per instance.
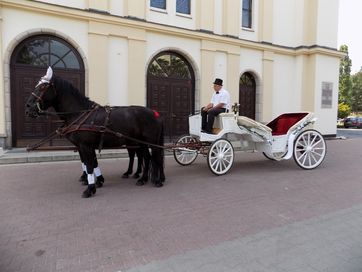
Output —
(327, 95)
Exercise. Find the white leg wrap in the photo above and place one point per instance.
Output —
(97, 171)
(84, 168)
(90, 179)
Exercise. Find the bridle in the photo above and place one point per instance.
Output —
(43, 87)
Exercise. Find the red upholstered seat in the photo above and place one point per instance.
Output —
(284, 122)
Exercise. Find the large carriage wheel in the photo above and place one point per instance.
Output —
(220, 157)
(188, 151)
(309, 149)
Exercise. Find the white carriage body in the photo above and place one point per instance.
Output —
(275, 139)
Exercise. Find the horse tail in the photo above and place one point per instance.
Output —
(162, 159)
(161, 143)
(158, 157)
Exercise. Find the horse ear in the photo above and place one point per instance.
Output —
(49, 74)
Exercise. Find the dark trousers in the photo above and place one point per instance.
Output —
(208, 118)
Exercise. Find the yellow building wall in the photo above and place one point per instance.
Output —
(2, 89)
(207, 48)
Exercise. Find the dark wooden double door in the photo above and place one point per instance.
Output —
(174, 100)
(247, 95)
(25, 130)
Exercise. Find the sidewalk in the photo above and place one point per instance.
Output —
(20, 155)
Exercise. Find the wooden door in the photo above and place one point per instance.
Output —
(170, 91)
(29, 63)
(173, 100)
(247, 95)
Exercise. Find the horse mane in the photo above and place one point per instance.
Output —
(66, 86)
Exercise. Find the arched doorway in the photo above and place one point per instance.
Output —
(171, 91)
(247, 95)
(28, 63)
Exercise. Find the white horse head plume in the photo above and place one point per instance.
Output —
(46, 78)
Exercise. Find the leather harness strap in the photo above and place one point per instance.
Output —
(108, 110)
(78, 125)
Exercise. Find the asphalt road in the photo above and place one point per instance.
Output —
(262, 216)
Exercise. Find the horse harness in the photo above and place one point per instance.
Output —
(79, 125)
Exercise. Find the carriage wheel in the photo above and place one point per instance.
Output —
(220, 157)
(268, 157)
(276, 156)
(309, 149)
(186, 156)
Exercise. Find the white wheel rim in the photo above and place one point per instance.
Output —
(186, 156)
(309, 149)
(221, 157)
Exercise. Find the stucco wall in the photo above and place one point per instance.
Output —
(117, 51)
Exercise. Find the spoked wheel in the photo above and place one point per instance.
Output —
(309, 149)
(220, 157)
(185, 155)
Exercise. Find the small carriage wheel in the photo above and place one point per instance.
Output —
(187, 155)
(278, 156)
(220, 157)
(268, 157)
(309, 149)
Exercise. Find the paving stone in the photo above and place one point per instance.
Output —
(262, 216)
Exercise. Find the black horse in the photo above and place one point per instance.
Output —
(132, 152)
(90, 126)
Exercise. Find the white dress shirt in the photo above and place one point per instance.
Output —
(222, 96)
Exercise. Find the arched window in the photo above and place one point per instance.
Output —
(44, 51)
(170, 65)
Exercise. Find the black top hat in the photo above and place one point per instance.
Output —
(218, 81)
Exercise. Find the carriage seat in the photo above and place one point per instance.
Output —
(217, 126)
(226, 114)
(282, 124)
(253, 125)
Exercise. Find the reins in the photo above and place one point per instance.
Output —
(78, 125)
(61, 112)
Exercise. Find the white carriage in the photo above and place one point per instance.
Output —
(290, 134)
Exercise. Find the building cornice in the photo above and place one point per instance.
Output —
(144, 26)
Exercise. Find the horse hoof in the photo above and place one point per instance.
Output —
(158, 184)
(83, 178)
(91, 190)
(100, 181)
(136, 176)
(100, 178)
(125, 175)
(140, 182)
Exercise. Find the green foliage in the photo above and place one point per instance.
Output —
(345, 84)
(356, 92)
(343, 110)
